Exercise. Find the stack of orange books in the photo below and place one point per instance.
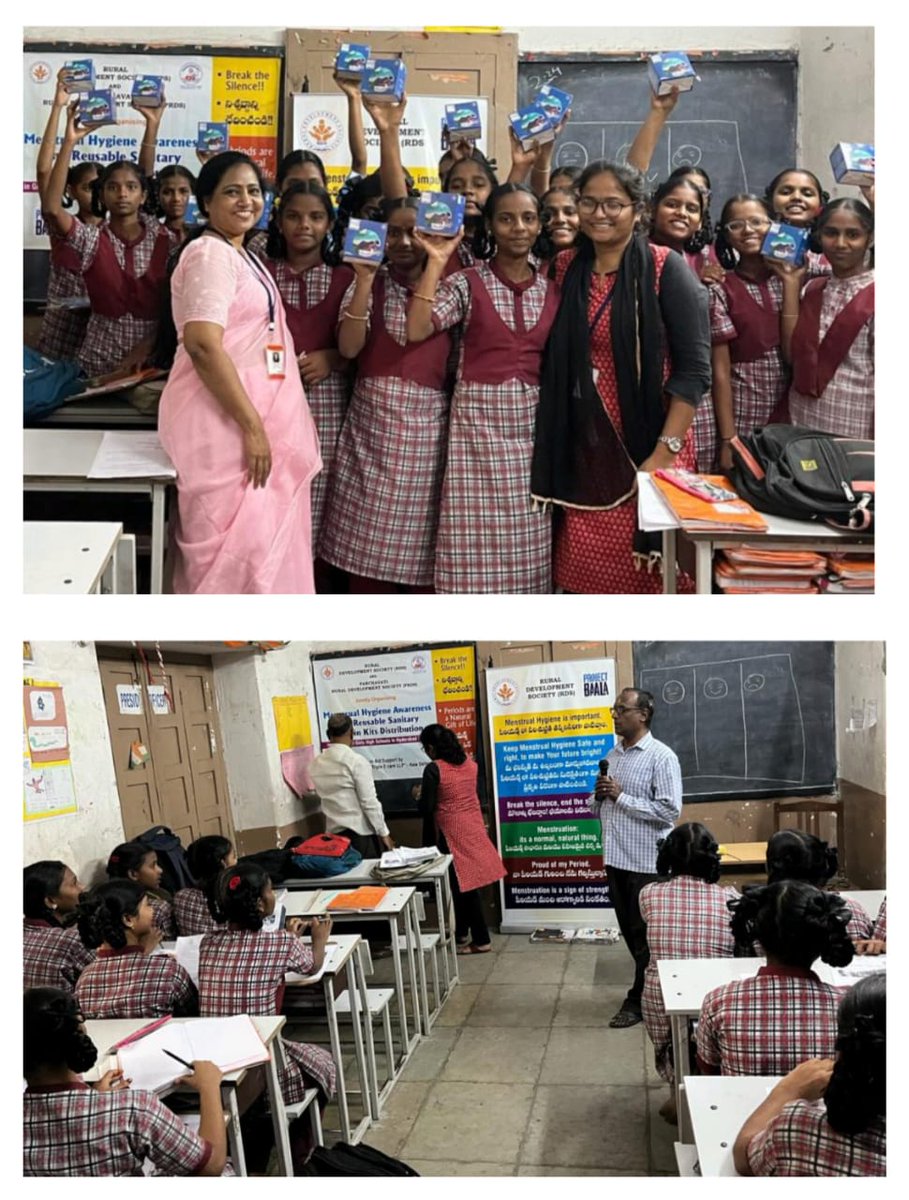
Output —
(850, 574)
(361, 899)
(744, 570)
(707, 516)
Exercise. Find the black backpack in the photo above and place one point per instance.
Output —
(344, 1159)
(806, 475)
(171, 858)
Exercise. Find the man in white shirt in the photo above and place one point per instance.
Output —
(347, 791)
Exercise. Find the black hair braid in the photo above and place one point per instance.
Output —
(239, 890)
(100, 914)
(857, 1092)
(51, 1033)
(745, 909)
(690, 849)
(833, 915)
(795, 922)
(795, 854)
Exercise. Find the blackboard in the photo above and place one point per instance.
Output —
(739, 122)
(746, 719)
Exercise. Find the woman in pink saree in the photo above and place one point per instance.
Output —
(233, 416)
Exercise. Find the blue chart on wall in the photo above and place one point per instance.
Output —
(745, 718)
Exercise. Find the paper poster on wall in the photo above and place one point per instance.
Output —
(129, 699)
(48, 789)
(320, 124)
(244, 91)
(550, 724)
(294, 731)
(158, 699)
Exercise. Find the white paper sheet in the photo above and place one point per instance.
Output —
(229, 1042)
(332, 952)
(654, 514)
(131, 455)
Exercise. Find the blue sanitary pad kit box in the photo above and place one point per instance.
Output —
(853, 162)
(212, 137)
(98, 108)
(440, 212)
(531, 124)
(148, 91)
(192, 216)
(554, 102)
(669, 69)
(351, 61)
(785, 243)
(384, 79)
(364, 242)
(79, 75)
(462, 120)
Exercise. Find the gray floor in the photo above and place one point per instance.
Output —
(521, 1076)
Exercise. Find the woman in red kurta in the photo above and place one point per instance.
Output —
(448, 794)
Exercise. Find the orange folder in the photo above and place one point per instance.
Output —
(358, 899)
(696, 514)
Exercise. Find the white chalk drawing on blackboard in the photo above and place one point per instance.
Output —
(771, 673)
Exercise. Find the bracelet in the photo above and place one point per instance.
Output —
(791, 316)
(353, 317)
(539, 171)
(423, 296)
(729, 439)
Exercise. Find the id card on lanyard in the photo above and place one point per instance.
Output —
(275, 354)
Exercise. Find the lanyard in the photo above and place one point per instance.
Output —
(599, 313)
(260, 273)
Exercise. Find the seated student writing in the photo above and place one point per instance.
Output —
(828, 1117)
(71, 1128)
(53, 955)
(134, 860)
(768, 1023)
(127, 979)
(242, 969)
(794, 854)
(877, 942)
(195, 907)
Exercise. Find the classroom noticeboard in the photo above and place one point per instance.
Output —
(242, 90)
(48, 786)
(549, 726)
(320, 124)
(294, 741)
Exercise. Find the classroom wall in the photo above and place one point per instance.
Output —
(861, 697)
(84, 839)
(836, 94)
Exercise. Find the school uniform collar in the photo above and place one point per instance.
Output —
(789, 972)
(38, 923)
(114, 953)
(73, 1086)
(510, 283)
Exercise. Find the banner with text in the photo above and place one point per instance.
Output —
(549, 726)
(243, 91)
(320, 124)
(391, 695)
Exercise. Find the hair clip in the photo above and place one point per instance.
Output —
(114, 858)
(234, 882)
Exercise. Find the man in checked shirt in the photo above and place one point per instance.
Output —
(638, 803)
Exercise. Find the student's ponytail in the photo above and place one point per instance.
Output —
(205, 859)
(238, 892)
(100, 914)
(51, 1033)
(857, 1092)
(795, 854)
(795, 922)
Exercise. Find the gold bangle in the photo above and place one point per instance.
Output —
(791, 316)
(423, 296)
(353, 317)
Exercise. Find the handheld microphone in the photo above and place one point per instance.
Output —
(604, 767)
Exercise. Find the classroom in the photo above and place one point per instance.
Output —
(453, 908)
(505, 309)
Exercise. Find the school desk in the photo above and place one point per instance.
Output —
(345, 960)
(100, 412)
(59, 460)
(78, 558)
(720, 1105)
(437, 874)
(397, 908)
(106, 1033)
(743, 854)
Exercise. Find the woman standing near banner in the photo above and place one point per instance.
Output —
(448, 796)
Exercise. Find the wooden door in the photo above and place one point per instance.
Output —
(128, 723)
(204, 751)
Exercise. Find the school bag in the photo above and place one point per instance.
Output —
(318, 866)
(806, 475)
(331, 845)
(344, 1159)
(171, 857)
(47, 383)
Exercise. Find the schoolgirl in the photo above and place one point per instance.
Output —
(64, 322)
(564, 178)
(123, 260)
(299, 166)
(475, 180)
(750, 376)
(680, 219)
(71, 1128)
(173, 187)
(127, 979)
(795, 854)
(768, 1023)
(492, 538)
(133, 860)
(53, 955)
(195, 908)
(561, 221)
(382, 506)
(242, 969)
(303, 263)
(828, 1118)
(828, 330)
(686, 917)
(796, 197)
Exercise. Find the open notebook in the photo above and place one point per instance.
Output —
(229, 1042)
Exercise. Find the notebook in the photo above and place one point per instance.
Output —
(703, 515)
(229, 1042)
(358, 899)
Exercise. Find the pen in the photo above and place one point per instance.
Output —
(189, 1066)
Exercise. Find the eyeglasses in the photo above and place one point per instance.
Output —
(612, 207)
(750, 222)
(619, 709)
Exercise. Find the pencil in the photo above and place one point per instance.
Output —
(179, 1059)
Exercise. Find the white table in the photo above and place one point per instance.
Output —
(720, 1105)
(58, 460)
(79, 558)
(105, 1034)
(437, 874)
(870, 900)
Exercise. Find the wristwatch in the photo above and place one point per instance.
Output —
(673, 444)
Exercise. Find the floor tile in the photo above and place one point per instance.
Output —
(538, 1170)
(589, 1004)
(514, 1004)
(663, 1136)
(544, 964)
(597, 1056)
(427, 1060)
(489, 1118)
(425, 1166)
(476, 968)
(496, 1056)
(588, 1127)
(457, 1008)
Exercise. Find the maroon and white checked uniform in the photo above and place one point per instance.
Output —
(686, 918)
(382, 506)
(860, 924)
(192, 914)
(128, 983)
(63, 329)
(491, 537)
(833, 357)
(124, 281)
(768, 1023)
(312, 301)
(53, 957)
(880, 925)
(460, 820)
(242, 971)
(799, 1141)
(164, 917)
(72, 1129)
